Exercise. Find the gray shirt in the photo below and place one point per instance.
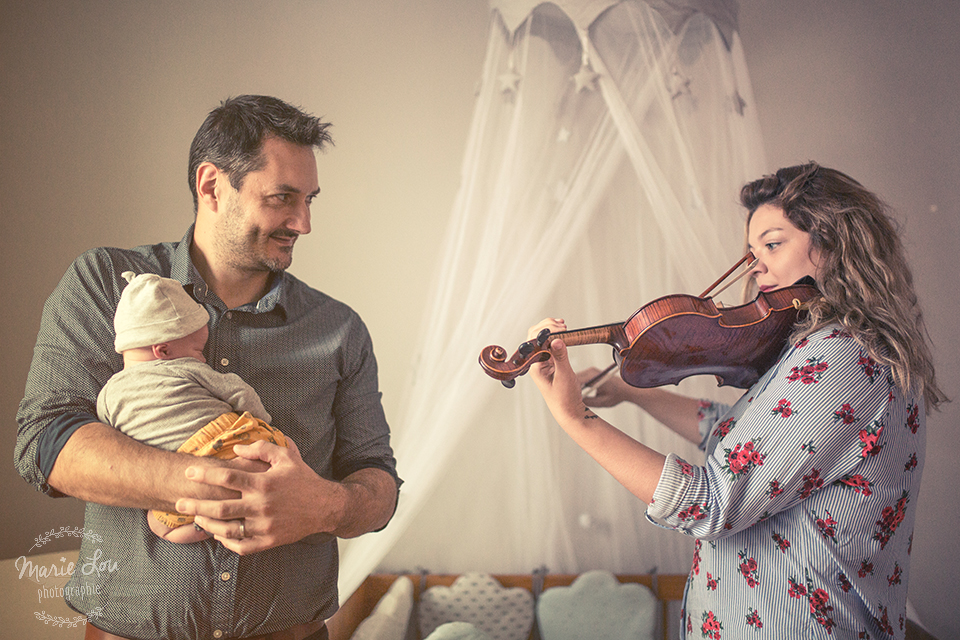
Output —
(311, 360)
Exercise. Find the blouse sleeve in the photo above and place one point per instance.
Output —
(810, 421)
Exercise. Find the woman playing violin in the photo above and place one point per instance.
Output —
(803, 509)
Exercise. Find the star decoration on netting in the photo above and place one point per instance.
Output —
(678, 84)
(586, 78)
(509, 82)
(739, 104)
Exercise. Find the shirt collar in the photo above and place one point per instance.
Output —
(183, 270)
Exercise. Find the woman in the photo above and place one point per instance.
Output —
(803, 509)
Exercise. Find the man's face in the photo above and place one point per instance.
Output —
(259, 223)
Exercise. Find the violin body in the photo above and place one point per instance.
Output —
(678, 336)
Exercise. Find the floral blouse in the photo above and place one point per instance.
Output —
(803, 512)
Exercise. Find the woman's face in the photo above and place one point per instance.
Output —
(784, 253)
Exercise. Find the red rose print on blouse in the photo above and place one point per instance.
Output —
(913, 418)
(911, 462)
(890, 519)
(895, 578)
(712, 583)
(883, 621)
(870, 440)
(703, 406)
(844, 582)
(844, 414)
(693, 513)
(695, 569)
(810, 373)
(858, 483)
(711, 627)
(742, 458)
(797, 589)
(828, 527)
(869, 367)
(753, 619)
(818, 599)
(748, 569)
(820, 610)
(685, 467)
(782, 543)
(724, 428)
(775, 489)
(783, 408)
(838, 333)
(811, 483)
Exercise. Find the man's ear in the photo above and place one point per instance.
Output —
(161, 351)
(208, 177)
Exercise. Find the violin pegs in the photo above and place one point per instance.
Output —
(542, 337)
(509, 384)
(526, 348)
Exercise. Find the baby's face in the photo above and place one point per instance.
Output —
(190, 346)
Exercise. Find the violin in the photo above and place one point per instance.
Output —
(677, 336)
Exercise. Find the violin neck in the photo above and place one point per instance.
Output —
(611, 334)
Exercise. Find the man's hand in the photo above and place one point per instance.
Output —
(288, 501)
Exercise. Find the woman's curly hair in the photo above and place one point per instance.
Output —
(862, 274)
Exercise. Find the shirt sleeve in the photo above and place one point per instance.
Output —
(72, 360)
(807, 423)
(363, 436)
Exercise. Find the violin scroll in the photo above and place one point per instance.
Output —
(494, 360)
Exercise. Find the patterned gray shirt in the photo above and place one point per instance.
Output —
(311, 360)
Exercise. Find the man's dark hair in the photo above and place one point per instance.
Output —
(232, 136)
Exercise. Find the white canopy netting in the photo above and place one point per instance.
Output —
(608, 145)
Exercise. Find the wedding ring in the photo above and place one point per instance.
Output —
(243, 530)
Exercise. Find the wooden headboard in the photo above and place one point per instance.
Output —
(667, 588)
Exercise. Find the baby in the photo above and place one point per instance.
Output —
(167, 396)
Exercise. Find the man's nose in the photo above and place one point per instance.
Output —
(300, 221)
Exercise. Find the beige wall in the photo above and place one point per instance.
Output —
(99, 100)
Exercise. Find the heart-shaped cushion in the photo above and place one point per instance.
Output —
(599, 607)
(390, 618)
(457, 631)
(477, 598)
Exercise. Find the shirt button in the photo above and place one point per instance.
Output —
(225, 576)
(229, 315)
(224, 361)
(218, 634)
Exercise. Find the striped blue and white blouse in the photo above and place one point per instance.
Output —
(803, 511)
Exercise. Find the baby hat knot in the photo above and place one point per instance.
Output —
(153, 310)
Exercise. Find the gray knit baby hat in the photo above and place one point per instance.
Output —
(153, 310)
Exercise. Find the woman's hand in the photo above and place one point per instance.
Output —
(607, 393)
(634, 465)
(555, 377)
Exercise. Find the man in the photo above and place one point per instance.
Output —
(270, 570)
